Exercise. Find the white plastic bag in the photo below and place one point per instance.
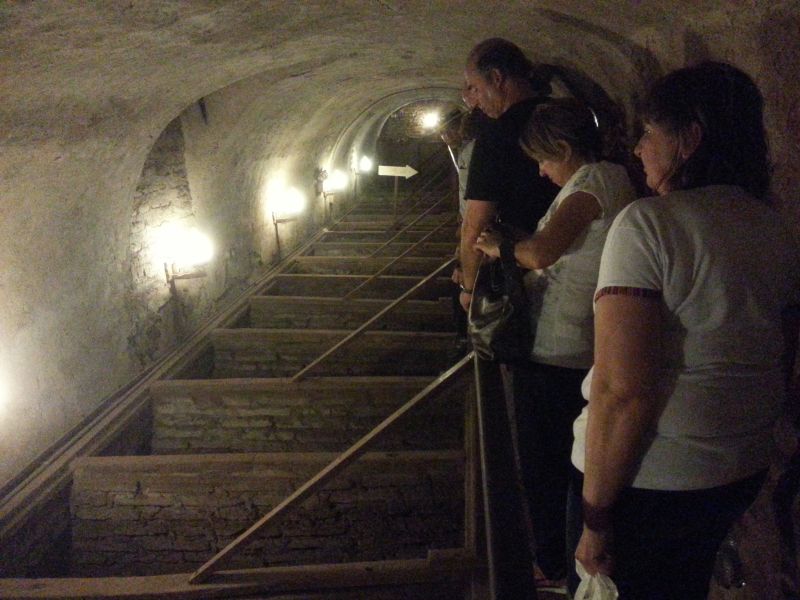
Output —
(594, 587)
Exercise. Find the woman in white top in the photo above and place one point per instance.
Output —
(692, 343)
(564, 256)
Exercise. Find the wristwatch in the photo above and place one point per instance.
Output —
(507, 250)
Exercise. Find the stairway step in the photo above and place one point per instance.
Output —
(283, 352)
(426, 223)
(160, 514)
(349, 249)
(322, 414)
(292, 312)
(336, 286)
(359, 265)
(445, 235)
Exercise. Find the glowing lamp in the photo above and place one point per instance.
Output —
(290, 201)
(431, 120)
(365, 164)
(182, 246)
(336, 182)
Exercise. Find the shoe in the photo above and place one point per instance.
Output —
(543, 584)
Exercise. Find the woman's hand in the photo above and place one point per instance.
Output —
(594, 551)
(489, 243)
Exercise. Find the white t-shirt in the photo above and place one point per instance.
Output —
(561, 294)
(462, 163)
(725, 266)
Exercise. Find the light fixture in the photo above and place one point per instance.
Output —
(431, 119)
(335, 182)
(365, 164)
(180, 249)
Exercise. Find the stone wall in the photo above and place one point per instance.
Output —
(160, 319)
(282, 353)
(205, 417)
(171, 514)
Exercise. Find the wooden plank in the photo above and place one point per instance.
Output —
(428, 248)
(359, 265)
(336, 286)
(378, 237)
(344, 459)
(281, 385)
(227, 584)
(297, 312)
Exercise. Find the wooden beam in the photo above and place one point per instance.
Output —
(440, 566)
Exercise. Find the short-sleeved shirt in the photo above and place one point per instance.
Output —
(462, 164)
(561, 295)
(502, 173)
(724, 267)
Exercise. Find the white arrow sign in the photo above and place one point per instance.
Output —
(397, 171)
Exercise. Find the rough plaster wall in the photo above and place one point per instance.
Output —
(88, 87)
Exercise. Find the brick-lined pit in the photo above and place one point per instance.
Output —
(148, 515)
(310, 416)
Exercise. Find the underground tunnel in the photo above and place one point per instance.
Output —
(250, 133)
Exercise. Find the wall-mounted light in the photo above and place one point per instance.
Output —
(182, 250)
(287, 203)
(431, 119)
(365, 164)
(335, 182)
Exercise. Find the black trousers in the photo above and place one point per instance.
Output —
(665, 542)
(547, 400)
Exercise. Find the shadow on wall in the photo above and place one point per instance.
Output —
(779, 45)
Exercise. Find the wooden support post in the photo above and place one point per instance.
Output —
(509, 557)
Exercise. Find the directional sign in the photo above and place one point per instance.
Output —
(397, 171)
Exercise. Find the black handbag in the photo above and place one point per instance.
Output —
(499, 322)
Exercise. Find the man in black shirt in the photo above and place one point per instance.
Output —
(504, 183)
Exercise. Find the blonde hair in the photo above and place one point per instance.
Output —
(561, 124)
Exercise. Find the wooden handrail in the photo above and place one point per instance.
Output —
(388, 265)
(340, 462)
(509, 556)
(353, 334)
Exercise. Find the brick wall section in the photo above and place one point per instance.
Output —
(336, 286)
(148, 515)
(282, 353)
(343, 265)
(331, 313)
(275, 416)
(438, 249)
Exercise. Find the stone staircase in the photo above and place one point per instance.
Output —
(235, 436)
